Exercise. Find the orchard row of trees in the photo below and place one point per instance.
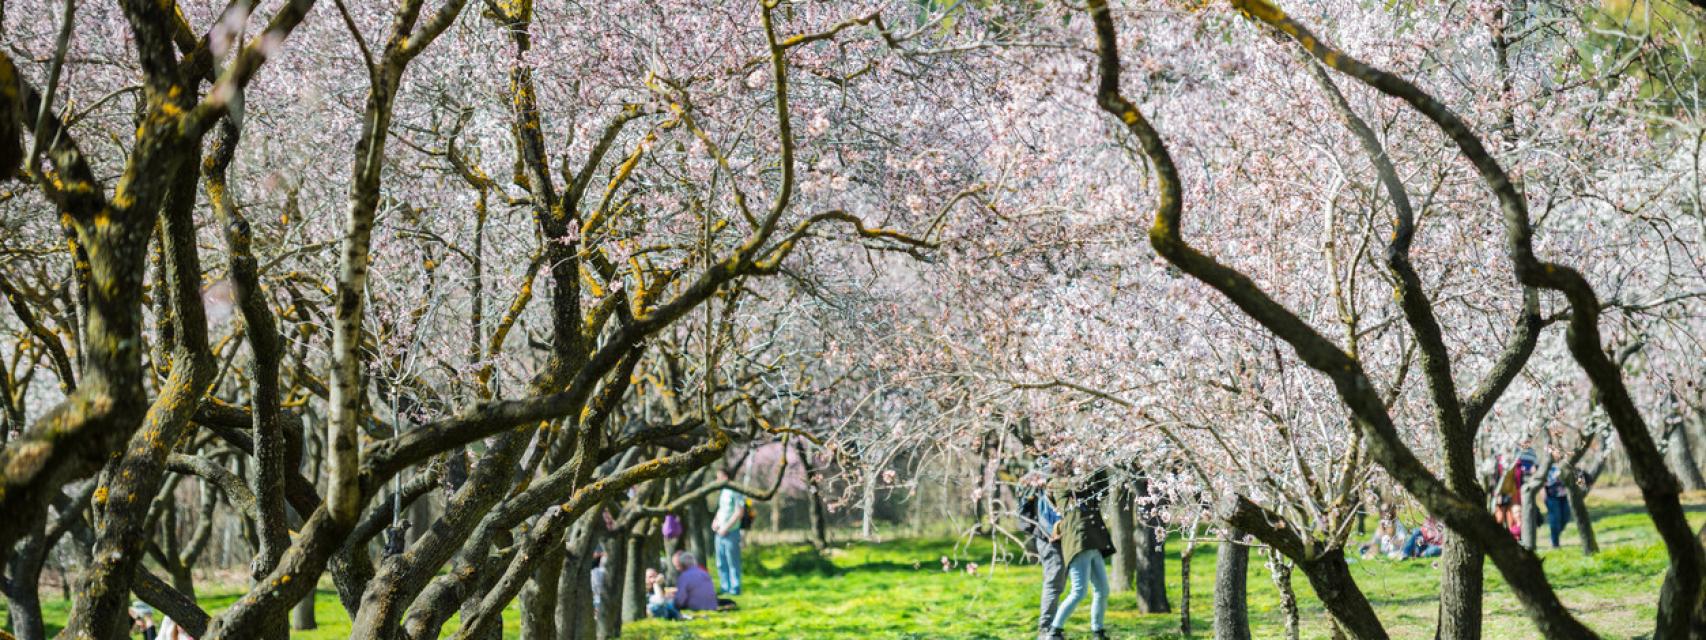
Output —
(324, 258)
(298, 266)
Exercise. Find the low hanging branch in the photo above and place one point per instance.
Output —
(706, 489)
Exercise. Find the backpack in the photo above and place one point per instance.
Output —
(746, 515)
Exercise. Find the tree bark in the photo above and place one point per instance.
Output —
(23, 597)
(302, 616)
(576, 619)
(1281, 572)
(1331, 578)
(633, 574)
(1122, 525)
(22, 584)
(696, 525)
(615, 562)
(1462, 572)
(1584, 520)
(539, 602)
(1185, 585)
(1150, 555)
(1326, 568)
(1680, 454)
(1231, 593)
(814, 499)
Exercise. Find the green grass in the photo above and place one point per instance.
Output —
(897, 590)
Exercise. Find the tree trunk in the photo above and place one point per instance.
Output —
(1185, 586)
(182, 579)
(633, 576)
(487, 577)
(1584, 520)
(23, 583)
(575, 617)
(1352, 614)
(814, 499)
(1281, 572)
(867, 504)
(1462, 570)
(696, 520)
(1680, 454)
(1150, 555)
(1462, 567)
(1122, 525)
(1327, 571)
(23, 611)
(1231, 572)
(670, 547)
(302, 617)
(615, 562)
(539, 602)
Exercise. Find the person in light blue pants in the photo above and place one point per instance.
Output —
(731, 506)
(728, 562)
(1085, 541)
(1087, 572)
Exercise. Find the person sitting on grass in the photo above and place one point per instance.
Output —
(659, 605)
(1389, 539)
(1426, 541)
(693, 588)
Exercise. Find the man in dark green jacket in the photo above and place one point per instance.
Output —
(1085, 543)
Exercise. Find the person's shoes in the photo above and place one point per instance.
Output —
(1056, 634)
(1099, 634)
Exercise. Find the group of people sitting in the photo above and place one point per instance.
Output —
(1393, 541)
(1508, 479)
(693, 590)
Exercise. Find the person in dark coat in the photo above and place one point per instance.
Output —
(1085, 542)
(1037, 517)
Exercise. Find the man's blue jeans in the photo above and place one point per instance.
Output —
(728, 562)
(1086, 570)
(663, 611)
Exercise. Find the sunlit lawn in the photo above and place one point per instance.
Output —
(897, 589)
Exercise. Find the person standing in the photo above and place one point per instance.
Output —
(1507, 499)
(1557, 505)
(1037, 517)
(1085, 542)
(731, 506)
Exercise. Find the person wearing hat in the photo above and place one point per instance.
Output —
(142, 619)
(1037, 517)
